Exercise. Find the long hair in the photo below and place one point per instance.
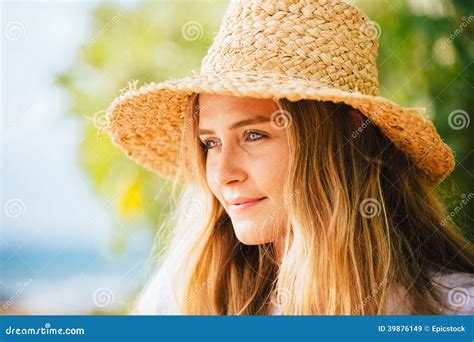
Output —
(364, 227)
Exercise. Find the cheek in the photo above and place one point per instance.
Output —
(210, 180)
(271, 171)
(213, 185)
(265, 167)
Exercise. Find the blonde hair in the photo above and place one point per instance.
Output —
(362, 223)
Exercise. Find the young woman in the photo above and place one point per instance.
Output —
(303, 191)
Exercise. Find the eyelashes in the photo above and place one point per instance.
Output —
(250, 136)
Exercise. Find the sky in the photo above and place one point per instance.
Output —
(54, 229)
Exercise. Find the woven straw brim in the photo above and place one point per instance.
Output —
(147, 123)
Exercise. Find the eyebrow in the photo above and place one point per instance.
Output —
(255, 120)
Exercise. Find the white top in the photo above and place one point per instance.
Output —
(460, 294)
(155, 299)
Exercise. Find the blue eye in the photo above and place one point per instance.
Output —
(251, 135)
(256, 135)
(205, 145)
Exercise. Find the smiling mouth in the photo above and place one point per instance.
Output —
(240, 207)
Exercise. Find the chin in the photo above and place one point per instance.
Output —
(249, 241)
(246, 235)
(250, 235)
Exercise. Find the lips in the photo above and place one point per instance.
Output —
(242, 200)
(238, 207)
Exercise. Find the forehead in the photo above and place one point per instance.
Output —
(213, 106)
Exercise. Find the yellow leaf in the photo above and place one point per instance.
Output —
(131, 203)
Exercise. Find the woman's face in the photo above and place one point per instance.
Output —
(246, 161)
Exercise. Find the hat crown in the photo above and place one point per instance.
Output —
(326, 41)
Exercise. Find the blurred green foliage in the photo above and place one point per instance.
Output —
(426, 59)
(146, 44)
(417, 67)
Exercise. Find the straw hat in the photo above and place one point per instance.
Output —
(320, 50)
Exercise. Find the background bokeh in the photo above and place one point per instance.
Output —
(78, 218)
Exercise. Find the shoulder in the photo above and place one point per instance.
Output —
(276, 310)
(398, 302)
(155, 298)
(457, 290)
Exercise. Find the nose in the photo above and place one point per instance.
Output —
(228, 166)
